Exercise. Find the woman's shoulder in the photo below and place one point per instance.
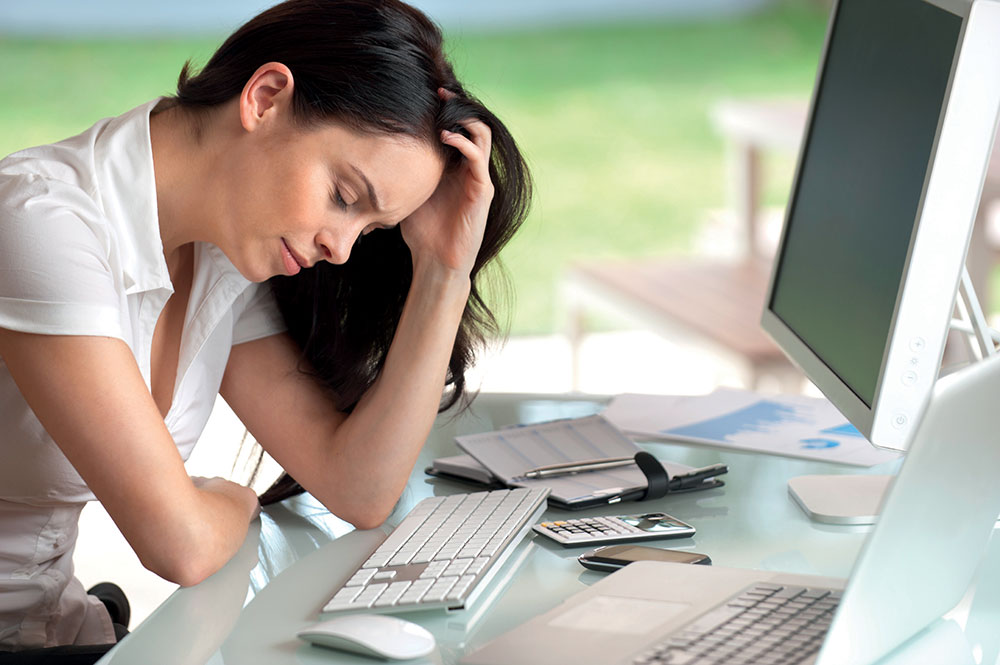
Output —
(27, 191)
(34, 205)
(71, 171)
(48, 221)
(38, 181)
(68, 160)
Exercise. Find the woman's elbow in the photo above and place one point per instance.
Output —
(368, 516)
(364, 522)
(193, 573)
(181, 570)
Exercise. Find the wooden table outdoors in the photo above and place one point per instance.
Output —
(718, 303)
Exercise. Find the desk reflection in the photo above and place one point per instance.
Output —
(200, 617)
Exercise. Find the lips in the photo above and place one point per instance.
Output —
(292, 262)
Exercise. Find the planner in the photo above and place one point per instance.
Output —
(508, 453)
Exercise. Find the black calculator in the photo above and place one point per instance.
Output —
(614, 529)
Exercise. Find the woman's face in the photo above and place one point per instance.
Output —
(305, 195)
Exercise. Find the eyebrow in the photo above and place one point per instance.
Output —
(372, 196)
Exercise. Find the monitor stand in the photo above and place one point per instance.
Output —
(847, 499)
(840, 499)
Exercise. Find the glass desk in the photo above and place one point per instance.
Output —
(297, 553)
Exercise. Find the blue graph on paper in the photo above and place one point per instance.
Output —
(847, 429)
(761, 417)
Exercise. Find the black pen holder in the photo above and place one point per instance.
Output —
(657, 478)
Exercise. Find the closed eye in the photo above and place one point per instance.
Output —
(338, 199)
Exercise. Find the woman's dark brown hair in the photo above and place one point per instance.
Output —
(374, 66)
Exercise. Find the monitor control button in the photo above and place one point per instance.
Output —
(909, 378)
(899, 422)
(917, 344)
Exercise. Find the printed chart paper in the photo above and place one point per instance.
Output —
(790, 425)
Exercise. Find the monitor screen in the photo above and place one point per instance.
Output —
(860, 183)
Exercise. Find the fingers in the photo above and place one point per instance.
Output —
(476, 150)
(482, 135)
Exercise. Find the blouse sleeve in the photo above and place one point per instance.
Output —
(259, 316)
(56, 272)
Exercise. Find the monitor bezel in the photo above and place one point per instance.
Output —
(924, 300)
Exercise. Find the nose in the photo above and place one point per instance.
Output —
(336, 248)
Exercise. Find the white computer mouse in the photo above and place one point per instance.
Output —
(376, 635)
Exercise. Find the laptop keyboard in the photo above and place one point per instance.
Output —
(767, 624)
(443, 552)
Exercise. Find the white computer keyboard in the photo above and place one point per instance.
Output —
(443, 553)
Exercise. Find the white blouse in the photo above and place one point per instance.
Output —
(80, 254)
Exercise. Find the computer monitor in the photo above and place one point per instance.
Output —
(886, 190)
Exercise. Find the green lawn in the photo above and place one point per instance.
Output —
(613, 120)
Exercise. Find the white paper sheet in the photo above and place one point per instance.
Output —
(794, 426)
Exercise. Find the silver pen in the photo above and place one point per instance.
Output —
(568, 468)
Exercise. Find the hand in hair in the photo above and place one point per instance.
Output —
(448, 228)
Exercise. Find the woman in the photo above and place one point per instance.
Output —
(198, 245)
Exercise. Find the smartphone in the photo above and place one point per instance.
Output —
(613, 557)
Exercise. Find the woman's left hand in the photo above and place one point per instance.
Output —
(448, 228)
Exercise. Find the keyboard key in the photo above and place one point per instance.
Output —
(461, 586)
(457, 567)
(815, 594)
(361, 577)
(424, 556)
(440, 589)
(401, 559)
(370, 594)
(787, 593)
(398, 537)
(339, 605)
(348, 593)
(378, 559)
(415, 592)
(434, 569)
(478, 565)
(392, 594)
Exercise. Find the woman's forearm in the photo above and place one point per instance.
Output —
(90, 397)
(382, 437)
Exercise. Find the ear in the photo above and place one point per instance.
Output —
(266, 96)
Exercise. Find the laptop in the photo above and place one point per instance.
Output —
(916, 564)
